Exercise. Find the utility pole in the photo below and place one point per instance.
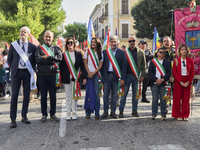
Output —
(118, 18)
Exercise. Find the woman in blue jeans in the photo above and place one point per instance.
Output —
(159, 73)
(93, 63)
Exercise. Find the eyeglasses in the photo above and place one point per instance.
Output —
(131, 41)
(69, 43)
(162, 52)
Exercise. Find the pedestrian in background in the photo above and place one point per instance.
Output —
(6, 66)
(183, 77)
(72, 61)
(2, 79)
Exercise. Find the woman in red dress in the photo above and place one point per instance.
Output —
(183, 75)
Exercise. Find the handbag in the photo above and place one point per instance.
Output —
(146, 80)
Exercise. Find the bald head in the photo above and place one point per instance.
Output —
(131, 42)
(48, 37)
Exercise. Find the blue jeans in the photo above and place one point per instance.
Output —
(47, 83)
(157, 93)
(197, 86)
(95, 81)
(108, 86)
(129, 79)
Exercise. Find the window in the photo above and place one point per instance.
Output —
(103, 34)
(125, 7)
(106, 29)
(124, 30)
(102, 11)
(106, 9)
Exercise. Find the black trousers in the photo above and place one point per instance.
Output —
(21, 75)
(3, 88)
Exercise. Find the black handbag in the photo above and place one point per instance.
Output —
(146, 80)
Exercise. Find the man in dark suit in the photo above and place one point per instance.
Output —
(20, 72)
(110, 78)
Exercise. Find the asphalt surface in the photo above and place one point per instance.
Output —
(129, 133)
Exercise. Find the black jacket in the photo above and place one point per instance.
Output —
(152, 71)
(64, 70)
(45, 66)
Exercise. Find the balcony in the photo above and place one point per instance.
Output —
(103, 17)
(124, 12)
(124, 36)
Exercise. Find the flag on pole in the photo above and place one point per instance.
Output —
(33, 40)
(91, 33)
(8, 46)
(105, 41)
(108, 37)
(156, 44)
(59, 42)
(84, 44)
(116, 31)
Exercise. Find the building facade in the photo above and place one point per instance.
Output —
(115, 14)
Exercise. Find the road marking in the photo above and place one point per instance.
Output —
(62, 128)
(166, 147)
(99, 148)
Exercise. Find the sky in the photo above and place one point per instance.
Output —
(79, 10)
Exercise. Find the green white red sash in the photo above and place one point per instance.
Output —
(48, 52)
(116, 68)
(161, 69)
(75, 74)
(96, 65)
(135, 71)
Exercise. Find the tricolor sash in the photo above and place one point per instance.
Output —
(117, 70)
(48, 52)
(161, 69)
(135, 71)
(24, 57)
(75, 74)
(96, 65)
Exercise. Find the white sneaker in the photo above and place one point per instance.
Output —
(74, 116)
(68, 116)
(6, 96)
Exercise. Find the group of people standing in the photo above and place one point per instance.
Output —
(116, 69)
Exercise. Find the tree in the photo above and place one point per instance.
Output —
(9, 27)
(51, 13)
(79, 30)
(155, 13)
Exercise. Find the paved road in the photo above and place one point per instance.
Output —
(128, 133)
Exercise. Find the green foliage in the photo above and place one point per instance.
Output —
(2, 44)
(38, 15)
(79, 30)
(149, 14)
(9, 28)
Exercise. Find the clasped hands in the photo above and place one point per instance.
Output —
(185, 84)
(160, 81)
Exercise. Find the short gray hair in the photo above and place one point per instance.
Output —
(113, 37)
(49, 31)
(26, 28)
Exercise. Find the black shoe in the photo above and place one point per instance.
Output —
(144, 100)
(104, 115)
(135, 114)
(13, 124)
(43, 119)
(113, 115)
(25, 120)
(121, 114)
(54, 118)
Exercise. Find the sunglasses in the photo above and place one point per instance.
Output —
(162, 52)
(131, 41)
(69, 43)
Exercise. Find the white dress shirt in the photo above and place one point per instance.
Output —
(158, 75)
(26, 51)
(110, 68)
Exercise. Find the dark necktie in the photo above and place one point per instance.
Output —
(184, 65)
(23, 46)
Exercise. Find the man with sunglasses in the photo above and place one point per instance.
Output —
(47, 56)
(135, 73)
(159, 73)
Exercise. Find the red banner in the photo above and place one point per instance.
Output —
(187, 31)
(33, 40)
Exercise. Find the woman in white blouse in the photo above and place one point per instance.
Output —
(93, 72)
(183, 74)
